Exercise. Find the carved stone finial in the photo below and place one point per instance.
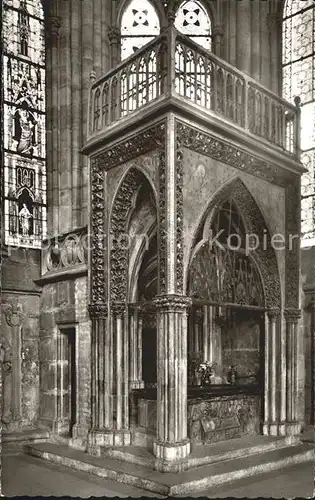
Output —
(297, 101)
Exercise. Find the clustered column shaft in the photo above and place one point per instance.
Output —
(135, 364)
(271, 419)
(172, 442)
(292, 317)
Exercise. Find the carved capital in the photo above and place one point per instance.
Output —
(113, 36)
(172, 302)
(217, 31)
(292, 315)
(273, 314)
(274, 20)
(53, 24)
(119, 309)
(98, 310)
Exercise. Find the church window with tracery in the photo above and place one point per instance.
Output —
(193, 20)
(23, 69)
(298, 58)
(140, 24)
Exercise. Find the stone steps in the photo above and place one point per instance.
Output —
(206, 454)
(190, 481)
(13, 441)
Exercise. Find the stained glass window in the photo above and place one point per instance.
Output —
(298, 57)
(23, 66)
(193, 20)
(139, 25)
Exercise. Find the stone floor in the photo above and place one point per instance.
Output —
(26, 475)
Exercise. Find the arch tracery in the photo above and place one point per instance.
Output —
(264, 260)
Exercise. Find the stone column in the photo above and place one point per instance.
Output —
(114, 41)
(217, 40)
(135, 342)
(255, 39)
(271, 363)
(121, 432)
(171, 444)
(292, 317)
(53, 144)
(101, 414)
(274, 20)
(243, 36)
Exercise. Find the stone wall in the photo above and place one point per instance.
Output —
(64, 307)
(20, 330)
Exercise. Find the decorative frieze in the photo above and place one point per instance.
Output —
(218, 149)
(179, 216)
(172, 303)
(140, 143)
(98, 285)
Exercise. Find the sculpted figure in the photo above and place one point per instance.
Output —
(24, 217)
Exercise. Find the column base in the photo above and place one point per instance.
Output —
(136, 384)
(293, 428)
(171, 451)
(106, 438)
(281, 428)
(79, 437)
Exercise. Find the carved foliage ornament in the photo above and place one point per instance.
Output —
(119, 250)
(98, 287)
(136, 145)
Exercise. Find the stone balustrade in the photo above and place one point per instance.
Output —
(173, 66)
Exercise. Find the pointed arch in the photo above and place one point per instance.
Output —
(255, 224)
(139, 22)
(194, 20)
(123, 206)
